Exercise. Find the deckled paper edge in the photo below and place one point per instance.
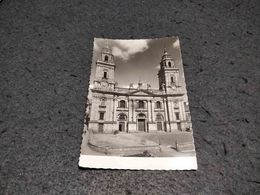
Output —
(136, 163)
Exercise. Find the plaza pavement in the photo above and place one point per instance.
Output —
(158, 144)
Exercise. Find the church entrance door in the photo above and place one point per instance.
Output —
(100, 127)
(141, 124)
(159, 126)
(121, 126)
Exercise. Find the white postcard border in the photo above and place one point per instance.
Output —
(138, 163)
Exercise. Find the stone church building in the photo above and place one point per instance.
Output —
(138, 108)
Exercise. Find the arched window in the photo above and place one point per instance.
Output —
(106, 58)
(122, 117)
(141, 115)
(158, 104)
(141, 104)
(173, 79)
(122, 104)
(169, 64)
(105, 75)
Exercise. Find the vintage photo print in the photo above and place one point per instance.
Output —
(137, 113)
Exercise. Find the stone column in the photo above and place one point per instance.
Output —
(132, 110)
(133, 113)
(115, 106)
(171, 108)
(182, 111)
(113, 110)
(129, 110)
(148, 110)
(165, 114)
(152, 110)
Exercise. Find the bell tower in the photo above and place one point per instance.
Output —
(105, 70)
(168, 74)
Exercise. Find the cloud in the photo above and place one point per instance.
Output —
(118, 52)
(176, 44)
(125, 49)
(96, 46)
(157, 67)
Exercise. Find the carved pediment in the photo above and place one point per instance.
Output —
(141, 93)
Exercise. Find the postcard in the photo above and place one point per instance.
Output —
(137, 110)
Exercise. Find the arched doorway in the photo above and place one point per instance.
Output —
(141, 122)
(159, 122)
(122, 122)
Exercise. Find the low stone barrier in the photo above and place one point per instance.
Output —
(185, 147)
(130, 150)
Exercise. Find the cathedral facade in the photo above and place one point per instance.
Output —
(138, 108)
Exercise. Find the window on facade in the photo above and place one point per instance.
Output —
(177, 115)
(158, 104)
(172, 80)
(105, 75)
(159, 117)
(102, 102)
(122, 117)
(106, 58)
(101, 115)
(141, 104)
(169, 64)
(176, 104)
(122, 104)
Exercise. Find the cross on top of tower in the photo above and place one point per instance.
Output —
(107, 46)
(165, 51)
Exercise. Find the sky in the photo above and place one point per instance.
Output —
(138, 59)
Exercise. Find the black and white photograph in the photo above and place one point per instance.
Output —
(137, 108)
(130, 97)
